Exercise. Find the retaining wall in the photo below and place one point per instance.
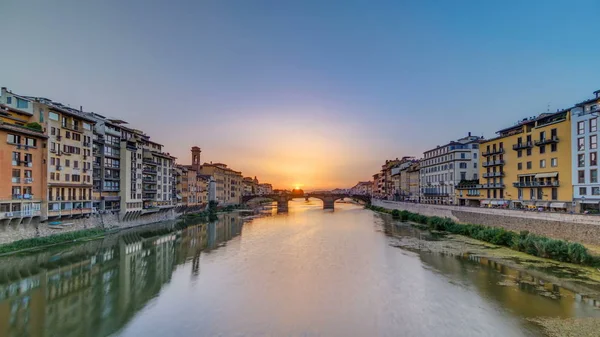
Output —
(572, 227)
(107, 221)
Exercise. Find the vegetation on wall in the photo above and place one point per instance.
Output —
(536, 245)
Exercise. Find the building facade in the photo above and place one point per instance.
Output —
(444, 167)
(229, 185)
(584, 149)
(414, 178)
(69, 173)
(527, 166)
(23, 168)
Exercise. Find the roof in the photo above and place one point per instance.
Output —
(22, 129)
(19, 111)
(529, 120)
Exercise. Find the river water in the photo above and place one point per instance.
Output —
(306, 273)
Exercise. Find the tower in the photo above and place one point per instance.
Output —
(196, 163)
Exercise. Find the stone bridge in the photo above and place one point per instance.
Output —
(327, 198)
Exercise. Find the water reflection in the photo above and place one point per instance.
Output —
(525, 293)
(93, 289)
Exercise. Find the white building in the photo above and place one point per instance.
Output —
(445, 166)
(584, 142)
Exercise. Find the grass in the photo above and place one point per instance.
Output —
(49, 240)
(536, 245)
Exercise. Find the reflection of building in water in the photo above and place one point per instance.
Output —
(94, 289)
(91, 294)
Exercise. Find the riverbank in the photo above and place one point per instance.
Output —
(584, 281)
(82, 235)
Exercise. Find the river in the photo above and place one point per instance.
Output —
(309, 272)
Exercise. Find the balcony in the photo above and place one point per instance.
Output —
(522, 184)
(149, 180)
(489, 186)
(22, 196)
(19, 214)
(522, 146)
(149, 171)
(544, 141)
(493, 174)
(150, 188)
(435, 194)
(73, 127)
(492, 163)
(473, 194)
(150, 161)
(16, 180)
(493, 152)
(87, 144)
(28, 180)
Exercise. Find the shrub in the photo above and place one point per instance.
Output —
(524, 241)
(34, 126)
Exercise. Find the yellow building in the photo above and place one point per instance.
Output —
(528, 165)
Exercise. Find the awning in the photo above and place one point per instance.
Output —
(485, 202)
(542, 203)
(179, 197)
(558, 205)
(517, 202)
(546, 175)
(497, 202)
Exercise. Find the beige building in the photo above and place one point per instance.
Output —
(265, 188)
(414, 178)
(229, 185)
(69, 174)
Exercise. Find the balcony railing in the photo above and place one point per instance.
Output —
(72, 127)
(19, 214)
(488, 186)
(149, 171)
(522, 146)
(493, 174)
(493, 163)
(521, 184)
(544, 141)
(150, 188)
(493, 152)
(473, 193)
(149, 161)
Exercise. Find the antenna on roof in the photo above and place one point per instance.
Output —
(548, 109)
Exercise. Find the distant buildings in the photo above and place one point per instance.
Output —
(443, 167)
(362, 188)
(62, 163)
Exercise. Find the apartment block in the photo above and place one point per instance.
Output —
(22, 162)
(413, 174)
(69, 162)
(265, 188)
(132, 173)
(443, 168)
(157, 170)
(584, 149)
(527, 165)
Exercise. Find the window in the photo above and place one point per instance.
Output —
(22, 104)
(519, 153)
(554, 162)
(542, 163)
(529, 165)
(16, 176)
(595, 190)
(28, 174)
(529, 152)
(519, 166)
(475, 165)
(553, 147)
(31, 142)
(463, 165)
(593, 142)
(554, 193)
(581, 160)
(580, 144)
(543, 135)
(67, 163)
(53, 116)
(594, 176)
(581, 177)
(9, 100)
(13, 139)
(593, 158)
(542, 149)
(87, 126)
(16, 158)
(474, 155)
(593, 124)
(67, 176)
(582, 191)
(462, 156)
(580, 128)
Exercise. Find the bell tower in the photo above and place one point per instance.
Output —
(196, 163)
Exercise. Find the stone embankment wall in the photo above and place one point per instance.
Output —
(572, 227)
(106, 221)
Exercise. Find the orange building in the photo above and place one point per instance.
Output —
(22, 166)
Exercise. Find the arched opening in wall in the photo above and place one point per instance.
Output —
(299, 203)
(262, 204)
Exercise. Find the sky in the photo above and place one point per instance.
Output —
(310, 93)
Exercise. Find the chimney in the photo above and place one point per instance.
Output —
(469, 133)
